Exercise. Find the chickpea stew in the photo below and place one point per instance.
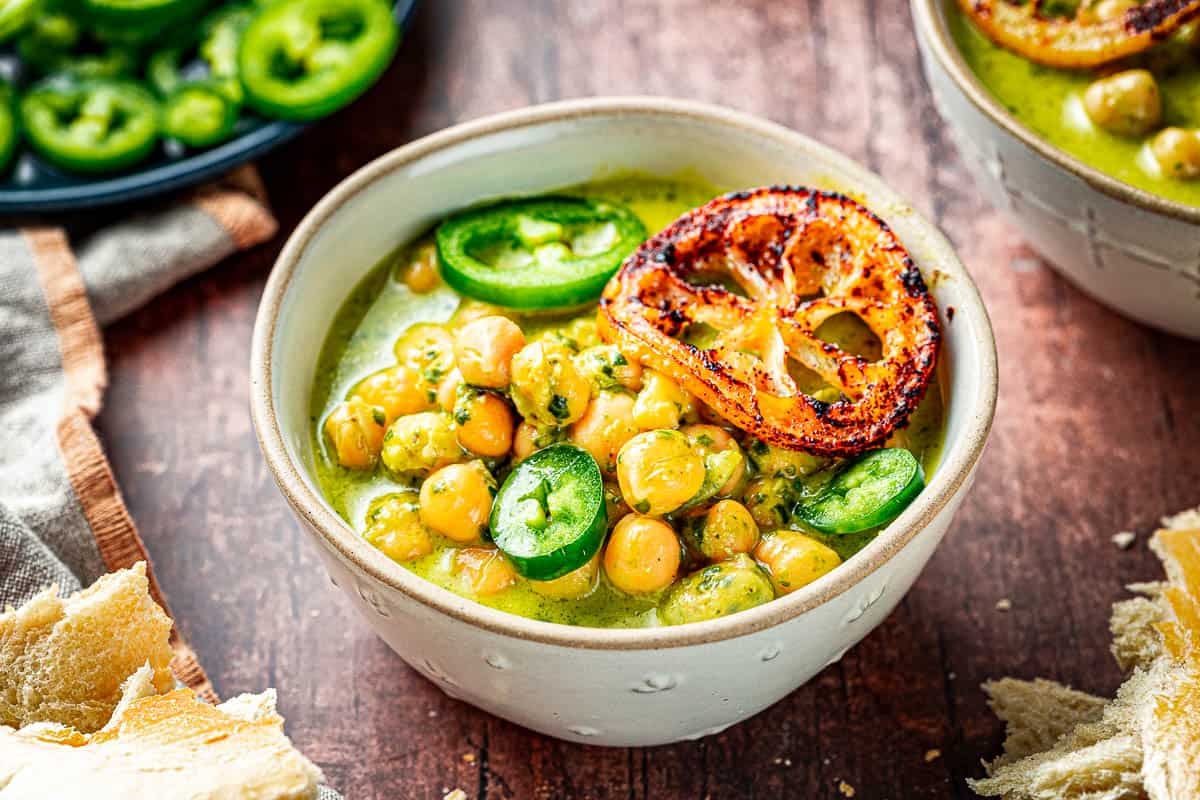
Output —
(518, 458)
(1135, 117)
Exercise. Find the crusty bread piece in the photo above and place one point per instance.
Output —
(1146, 742)
(1171, 722)
(162, 746)
(1038, 713)
(64, 661)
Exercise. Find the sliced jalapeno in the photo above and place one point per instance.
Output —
(536, 254)
(129, 20)
(199, 114)
(15, 15)
(303, 59)
(220, 38)
(91, 126)
(56, 43)
(870, 492)
(10, 133)
(549, 516)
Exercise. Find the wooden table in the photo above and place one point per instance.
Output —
(1097, 432)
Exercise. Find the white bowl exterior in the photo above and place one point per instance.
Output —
(632, 698)
(611, 696)
(1140, 263)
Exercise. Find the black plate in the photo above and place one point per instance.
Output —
(34, 185)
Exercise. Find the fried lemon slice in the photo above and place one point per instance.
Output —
(758, 272)
(1077, 42)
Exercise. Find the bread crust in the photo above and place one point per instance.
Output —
(64, 661)
(1145, 742)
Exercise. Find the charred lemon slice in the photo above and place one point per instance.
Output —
(1077, 42)
(759, 272)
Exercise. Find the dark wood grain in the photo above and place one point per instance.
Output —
(1098, 430)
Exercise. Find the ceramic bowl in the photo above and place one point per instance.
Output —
(1132, 250)
(600, 686)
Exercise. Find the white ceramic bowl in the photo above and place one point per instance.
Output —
(1136, 252)
(613, 687)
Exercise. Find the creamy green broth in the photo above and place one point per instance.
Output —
(381, 307)
(1049, 102)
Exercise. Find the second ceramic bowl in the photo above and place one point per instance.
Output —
(1133, 251)
(600, 686)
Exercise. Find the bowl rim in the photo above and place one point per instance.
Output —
(930, 18)
(959, 458)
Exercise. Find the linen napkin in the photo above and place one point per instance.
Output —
(62, 518)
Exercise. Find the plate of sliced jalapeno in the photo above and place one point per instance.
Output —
(108, 101)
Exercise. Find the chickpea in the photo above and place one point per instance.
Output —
(421, 443)
(605, 427)
(484, 349)
(659, 472)
(398, 390)
(546, 387)
(608, 368)
(725, 530)
(471, 310)
(456, 501)
(356, 430)
(771, 462)
(420, 273)
(447, 391)
(723, 459)
(394, 526)
(642, 555)
(575, 585)
(1127, 103)
(485, 570)
(427, 348)
(794, 560)
(485, 423)
(578, 334)
(1177, 152)
(770, 501)
(717, 591)
(530, 438)
(661, 403)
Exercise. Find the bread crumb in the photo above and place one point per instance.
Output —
(468, 758)
(932, 755)
(1004, 604)
(457, 794)
(1124, 540)
(846, 789)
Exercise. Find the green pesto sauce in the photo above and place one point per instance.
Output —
(381, 307)
(1049, 102)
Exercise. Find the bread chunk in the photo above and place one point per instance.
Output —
(161, 746)
(1065, 745)
(64, 661)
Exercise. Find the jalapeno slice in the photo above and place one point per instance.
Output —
(91, 126)
(549, 516)
(15, 15)
(870, 492)
(133, 19)
(10, 132)
(302, 59)
(199, 114)
(537, 254)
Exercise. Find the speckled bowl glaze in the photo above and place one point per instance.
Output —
(1134, 251)
(599, 686)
